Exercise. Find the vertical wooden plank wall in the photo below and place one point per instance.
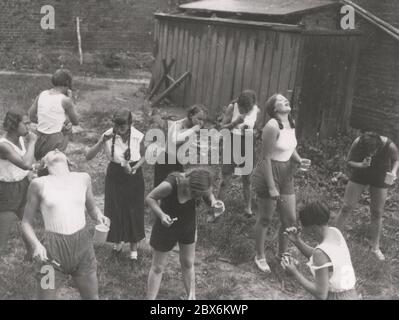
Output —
(225, 59)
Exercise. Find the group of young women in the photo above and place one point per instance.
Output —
(176, 191)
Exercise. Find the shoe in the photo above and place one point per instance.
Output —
(380, 256)
(262, 264)
(133, 255)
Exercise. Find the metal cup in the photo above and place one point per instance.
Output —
(390, 178)
(305, 164)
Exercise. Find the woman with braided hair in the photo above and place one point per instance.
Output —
(273, 177)
(15, 162)
(176, 223)
(124, 184)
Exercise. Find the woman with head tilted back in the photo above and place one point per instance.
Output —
(124, 184)
(371, 157)
(16, 160)
(273, 176)
(176, 223)
(330, 261)
(178, 132)
(54, 112)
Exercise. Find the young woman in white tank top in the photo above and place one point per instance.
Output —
(54, 112)
(329, 262)
(273, 176)
(15, 163)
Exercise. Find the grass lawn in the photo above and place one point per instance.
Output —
(224, 266)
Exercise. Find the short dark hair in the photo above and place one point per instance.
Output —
(247, 99)
(62, 78)
(12, 120)
(193, 110)
(314, 213)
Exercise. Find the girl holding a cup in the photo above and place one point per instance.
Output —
(329, 262)
(374, 161)
(173, 202)
(124, 184)
(273, 177)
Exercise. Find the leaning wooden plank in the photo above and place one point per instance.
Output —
(267, 66)
(286, 64)
(202, 64)
(170, 89)
(258, 63)
(276, 65)
(195, 71)
(190, 62)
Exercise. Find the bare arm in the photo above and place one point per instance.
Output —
(295, 156)
(318, 288)
(25, 162)
(70, 110)
(31, 209)
(395, 158)
(353, 164)
(227, 122)
(94, 150)
(269, 138)
(159, 193)
(177, 134)
(33, 111)
(306, 250)
(92, 209)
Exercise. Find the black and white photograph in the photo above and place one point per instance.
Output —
(225, 151)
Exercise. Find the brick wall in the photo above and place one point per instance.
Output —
(376, 96)
(118, 27)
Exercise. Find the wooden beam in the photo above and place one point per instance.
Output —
(373, 19)
(222, 21)
(171, 88)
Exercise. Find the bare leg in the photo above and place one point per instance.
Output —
(246, 187)
(87, 286)
(224, 183)
(378, 197)
(45, 290)
(351, 198)
(155, 276)
(266, 208)
(288, 219)
(187, 257)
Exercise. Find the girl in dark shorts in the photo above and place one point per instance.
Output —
(124, 184)
(178, 131)
(176, 223)
(370, 157)
(15, 163)
(273, 177)
(329, 262)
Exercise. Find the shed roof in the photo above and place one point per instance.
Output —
(258, 7)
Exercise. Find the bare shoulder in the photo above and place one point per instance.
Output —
(320, 257)
(84, 176)
(272, 126)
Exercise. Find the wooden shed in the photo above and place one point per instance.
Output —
(232, 45)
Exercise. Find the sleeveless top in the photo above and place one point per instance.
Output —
(185, 212)
(63, 205)
(50, 112)
(343, 276)
(9, 172)
(249, 120)
(380, 162)
(285, 144)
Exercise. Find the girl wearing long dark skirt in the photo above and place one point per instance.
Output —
(124, 184)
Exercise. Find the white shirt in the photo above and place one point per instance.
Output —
(120, 147)
(249, 119)
(285, 145)
(9, 172)
(50, 112)
(334, 246)
(63, 203)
